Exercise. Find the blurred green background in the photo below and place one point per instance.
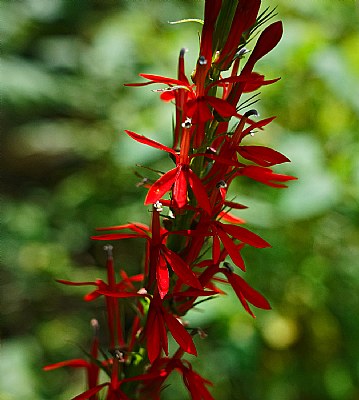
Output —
(67, 168)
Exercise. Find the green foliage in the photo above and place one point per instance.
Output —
(67, 168)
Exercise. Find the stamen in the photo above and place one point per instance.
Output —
(242, 52)
(108, 249)
(187, 123)
(158, 206)
(202, 60)
(221, 185)
(228, 266)
(183, 51)
(249, 113)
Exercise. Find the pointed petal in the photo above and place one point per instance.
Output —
(87, 395)
(221, 106)
(231, 218)
(232, 249)
(162, 79)
(179, 333)
(245, 235)
(118, 236)
(266, 176)
(149, 142)
(153, 335)
(262, 155)
(162, 276)
(161, 186)
(180, 189)
(199, 191)
(268, 39)
(75, 363)
(181, 268)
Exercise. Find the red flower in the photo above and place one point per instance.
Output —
(158, 319)
(179, 178)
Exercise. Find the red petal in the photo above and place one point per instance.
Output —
(268, 39)
(162, 276)
(75, 363)
(149, 142)
(265, 175)
(179, 333)
(181, 268)
(63, 281)
(232, 249)
(245, 236)
(229, 217)
(258, 124)
(221, 106)
(168, 95)
(237, 206)
(152, 332)
(246, 293)
(261, 155)
(161, 186)
(118, 236)
(162, 79)
(136, 227)
(90, 392)
(199, 191)
(180, 189)
(251, 87)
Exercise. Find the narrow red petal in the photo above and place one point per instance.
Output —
(162, 276)
(149, 142)
(162, 79)
(75, 363)
(90, 392)
(245, 235)
(179, 333)
(199, 191)
(153, 335)
(229, 217)
(181, 268)
(180, 189)
(161, 186)
(232, 249)
(262, 155)
(221, 106)
(268, 39)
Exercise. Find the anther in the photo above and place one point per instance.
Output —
(95, 325)
(221, 185)
(187, 123)
(108, 249)
(211, 150)
(249, 113)
(242, 52)
(158, 206)
(228, 266)
(183, 51)
(202, 60)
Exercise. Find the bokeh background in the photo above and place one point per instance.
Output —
(67, 168)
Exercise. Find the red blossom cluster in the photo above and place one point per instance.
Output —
(192, 231)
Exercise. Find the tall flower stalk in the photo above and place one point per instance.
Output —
(193, 241)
